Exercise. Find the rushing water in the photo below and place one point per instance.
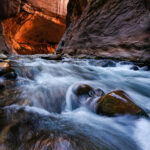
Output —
(41, 116)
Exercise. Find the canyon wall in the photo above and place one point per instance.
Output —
(58, 7)
(117, 29)
(31, 26)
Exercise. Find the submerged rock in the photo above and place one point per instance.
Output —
(84, 95)
(107, 63)
(118, 102)
(78, 95)
(135, 68)
(10, 75)
(6, 71)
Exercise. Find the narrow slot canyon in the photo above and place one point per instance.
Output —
(74, 74)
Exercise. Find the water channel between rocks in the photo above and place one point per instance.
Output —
(36, 110)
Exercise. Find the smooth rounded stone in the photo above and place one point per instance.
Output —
(84, 95)
(80, 94)
(135, 68)
(83, 89)
(117, 103)
(107, 63)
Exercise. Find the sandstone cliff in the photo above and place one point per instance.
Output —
(31, 26)
(118, 29)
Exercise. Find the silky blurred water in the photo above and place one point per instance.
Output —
(47, 85)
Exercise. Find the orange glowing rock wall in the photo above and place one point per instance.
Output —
(38, 28)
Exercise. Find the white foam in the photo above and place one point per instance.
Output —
(142, 133)
(36, 110)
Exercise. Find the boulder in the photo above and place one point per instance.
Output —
(118, 103)
(135, 68)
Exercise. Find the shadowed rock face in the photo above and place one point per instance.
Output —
(9, 8)
(75, 9)
(33, 27)
(109, 28)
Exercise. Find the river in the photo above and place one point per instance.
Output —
(39, 114)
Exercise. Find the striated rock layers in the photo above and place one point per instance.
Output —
(117, 29)
(31, 26)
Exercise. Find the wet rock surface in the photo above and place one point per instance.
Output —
(116, 103)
